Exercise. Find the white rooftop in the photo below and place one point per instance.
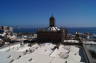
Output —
(42, 53)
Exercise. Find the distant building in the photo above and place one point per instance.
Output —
(6, 28)
(52, 33)
(1, 29)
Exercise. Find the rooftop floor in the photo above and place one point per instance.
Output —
(42, 53)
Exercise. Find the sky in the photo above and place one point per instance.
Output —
(68, 13)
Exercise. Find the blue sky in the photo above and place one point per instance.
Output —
(69, 13)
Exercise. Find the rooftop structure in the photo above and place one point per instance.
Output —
(52, 33)
(52, 21)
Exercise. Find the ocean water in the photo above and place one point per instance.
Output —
(25, 30)
(70, 30)
(82, 30)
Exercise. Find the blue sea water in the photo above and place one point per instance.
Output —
(24, 30)
(83, 30)
(70, 30)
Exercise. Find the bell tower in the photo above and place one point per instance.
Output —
(52, 21)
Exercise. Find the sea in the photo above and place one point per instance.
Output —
(71, 30)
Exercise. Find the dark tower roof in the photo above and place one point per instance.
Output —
(52, 17)
(52, 21)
